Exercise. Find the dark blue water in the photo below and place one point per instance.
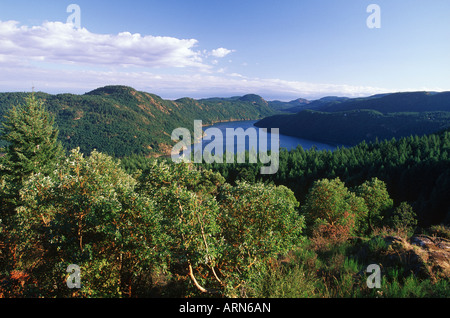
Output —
(240, 142)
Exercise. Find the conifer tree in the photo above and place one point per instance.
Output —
(32, 147)
(32, 140)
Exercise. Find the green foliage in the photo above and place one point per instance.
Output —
(355, 126)
(339, 271)
(404, 217)
(86, 213)
(333, 211)
(190, 214)
(349, 121)
(390, 103)
(121, 231)
(258, 222)
(285, 281)
(377, 199)
(32, 147)
(414, 169)
(218, 231)
(395, 285)
(31, 138)
(120, 121)
(142, 226)
(377, 244)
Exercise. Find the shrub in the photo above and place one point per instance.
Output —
(404, 217)
(377, 199)
(86, 213)
(333, 212)
(190, 219)
(258, 222)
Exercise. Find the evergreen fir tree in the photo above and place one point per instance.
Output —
(32, 147)
(32, 139)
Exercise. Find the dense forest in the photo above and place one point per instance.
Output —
(351, 128)
(138, 226)
(383, 103)
(415, 169)
(349, 121)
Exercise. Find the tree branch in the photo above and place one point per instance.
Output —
(199, 287)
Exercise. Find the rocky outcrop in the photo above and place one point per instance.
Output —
(424, 255)
(436, 252)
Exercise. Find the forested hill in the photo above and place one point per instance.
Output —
(351, 121)
(392, 103)
(120, 120)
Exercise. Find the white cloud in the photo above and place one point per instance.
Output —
(62, 43)
(57, 58)
(221, 52)
(236, 75)
(170, 86)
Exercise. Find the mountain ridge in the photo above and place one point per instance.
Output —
(120, 120)
(349, 121)
(387, 102)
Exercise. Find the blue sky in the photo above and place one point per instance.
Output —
(279, 49)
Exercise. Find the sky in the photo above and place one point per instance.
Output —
(279, 49)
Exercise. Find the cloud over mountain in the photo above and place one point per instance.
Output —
(57, 57)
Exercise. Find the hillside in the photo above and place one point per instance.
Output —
(120, 120)
(385, 103)
(393, 103)
(300, 104)
(350, 121)
(176, 230)
(291, 106)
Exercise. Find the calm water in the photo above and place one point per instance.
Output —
(286, 142)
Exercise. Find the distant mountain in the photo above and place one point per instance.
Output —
(392, 103)
(120, 120)
(300, 104)
(291, 106)
(328, 100)
(348, 121)
(254, 99)
(385, 103)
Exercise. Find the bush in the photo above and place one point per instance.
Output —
(219, 234)
(333, 212)
(190, 219)
(377, 199)
(258, 222)
(404, 217)
(86, 213)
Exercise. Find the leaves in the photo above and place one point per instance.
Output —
(331, 208)
(377, 199)
(173, 217)
(180, 221)
(32, 144)
(92, 216)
